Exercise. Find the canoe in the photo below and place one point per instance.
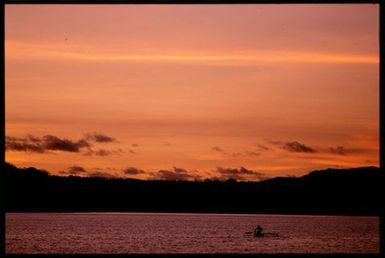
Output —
(274, 234)
(264, 234)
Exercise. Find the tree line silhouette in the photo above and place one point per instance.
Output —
(354, 191)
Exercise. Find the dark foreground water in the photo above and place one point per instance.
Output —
(187, 233)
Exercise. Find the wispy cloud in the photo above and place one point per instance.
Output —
(297, 147)
(176, 174)
(218, 149)
(98, 137)
(240, 174)
(339, 150)
(74, 170)
(21, 144)
(21, 50)
(51, 143)
(44, 144)
(247, 153)
(262, 147)
(252, 153)
(133, 171)
(101, 174)
(102, 152)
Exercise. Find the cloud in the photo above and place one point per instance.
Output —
(132, 171)
(297, 147)
(218, 149)
(171, 175)
(240, 174)
(102, 152)
(252, 153)
(180, 170)
(175, 175)
(101, 138)
(74, 170)
(274, 142)
(92, 172)
(134, 145)
(339, 150)
(100, 174)
(34, 139)
(132, 151)
(234, 154)
(262, 147)
(51, 142)
(19, 144)
(46, 143)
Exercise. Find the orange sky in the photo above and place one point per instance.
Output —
(192, 91)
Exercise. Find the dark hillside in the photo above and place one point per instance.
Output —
(355, 191)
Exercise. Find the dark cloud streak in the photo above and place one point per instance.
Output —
(218, 149)
(176, 175)
(74, 170)
(48, 143)
(44, 144)
(239, 174)
(51, 142)
(132, 171)
(295, 146)
(100, 138)
(339, 150)
(252, 153)
(19, 144)
(262, 147)
(100, 174)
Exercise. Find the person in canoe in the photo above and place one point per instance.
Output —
(258, 231)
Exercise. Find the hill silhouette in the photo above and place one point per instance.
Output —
(354, 191)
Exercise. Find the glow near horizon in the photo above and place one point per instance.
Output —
(16, 50)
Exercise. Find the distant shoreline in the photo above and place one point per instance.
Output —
(190, 213)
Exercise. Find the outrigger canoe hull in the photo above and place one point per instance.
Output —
(266, 234)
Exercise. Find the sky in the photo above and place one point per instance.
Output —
(192, 91)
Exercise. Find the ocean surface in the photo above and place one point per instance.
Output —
(97, 233)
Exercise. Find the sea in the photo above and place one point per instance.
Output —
(126, 233)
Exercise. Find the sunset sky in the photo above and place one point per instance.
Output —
(192, 91)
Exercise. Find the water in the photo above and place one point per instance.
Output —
(187, 233)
